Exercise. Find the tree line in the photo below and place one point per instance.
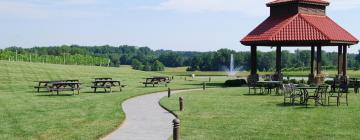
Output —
(144, 58)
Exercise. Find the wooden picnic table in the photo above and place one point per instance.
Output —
(66, 86)
(49, 84)
(162, 78)
(156, 80)
(106, 84)
(105, 78)
(269, 85)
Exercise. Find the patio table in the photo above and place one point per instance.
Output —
(305, 94)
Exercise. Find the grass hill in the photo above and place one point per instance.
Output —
(24, 114)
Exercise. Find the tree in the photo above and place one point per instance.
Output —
(147, 67)
(157, 66)
(136, 64)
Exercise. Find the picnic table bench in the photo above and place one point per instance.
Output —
(106, 84)
(157, 80)
(49, 84)
(65, 86)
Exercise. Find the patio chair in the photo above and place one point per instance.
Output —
(319, 93)
(255, 87)
(289, 91)
(340, 92)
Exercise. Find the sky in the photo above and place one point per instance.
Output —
(181, 25)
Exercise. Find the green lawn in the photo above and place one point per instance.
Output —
(27, 115)
(231, 114)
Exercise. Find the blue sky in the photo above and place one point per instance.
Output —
(191, 25)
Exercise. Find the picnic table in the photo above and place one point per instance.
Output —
(106, 84)
(66, 86)
(105, 78)
(157, 80)
(49, 84)
(269, 86)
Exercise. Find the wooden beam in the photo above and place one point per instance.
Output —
(340, 60)
(312, 70)
(318, 60)
(253, 60)
(278, 59)
(344, 60)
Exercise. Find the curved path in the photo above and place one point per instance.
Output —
(145, 119)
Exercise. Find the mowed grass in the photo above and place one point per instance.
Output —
(231, 114)
(24, 114)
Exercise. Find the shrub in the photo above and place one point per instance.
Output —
(235, 83)
(294, 81)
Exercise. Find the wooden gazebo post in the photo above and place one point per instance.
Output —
(253, 77)
(340, 61)
(278, 75)
(312, 68)
(319, 78)
(344, 65)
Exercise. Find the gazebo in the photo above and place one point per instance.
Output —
(300, 23)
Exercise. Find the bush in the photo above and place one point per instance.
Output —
(157, 66)
(235, 83)
(294, 81)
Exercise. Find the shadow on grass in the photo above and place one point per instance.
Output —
(300, 106)
(55, 95)
(248, 94)
(97, 92)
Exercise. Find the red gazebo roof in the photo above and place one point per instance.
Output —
(299, 30)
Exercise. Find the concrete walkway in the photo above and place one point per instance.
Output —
(145, 119)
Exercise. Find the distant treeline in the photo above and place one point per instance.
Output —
(143, 58)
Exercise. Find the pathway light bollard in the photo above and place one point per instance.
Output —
(181, 103)
(169, 92)
(176, 129)
(209, 79)
(204, 85)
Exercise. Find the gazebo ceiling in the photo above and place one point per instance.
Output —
(302, 27)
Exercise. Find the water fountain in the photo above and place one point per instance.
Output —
(232, 71)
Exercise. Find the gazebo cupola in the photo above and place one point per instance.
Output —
(291, 7)
(300, 23)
